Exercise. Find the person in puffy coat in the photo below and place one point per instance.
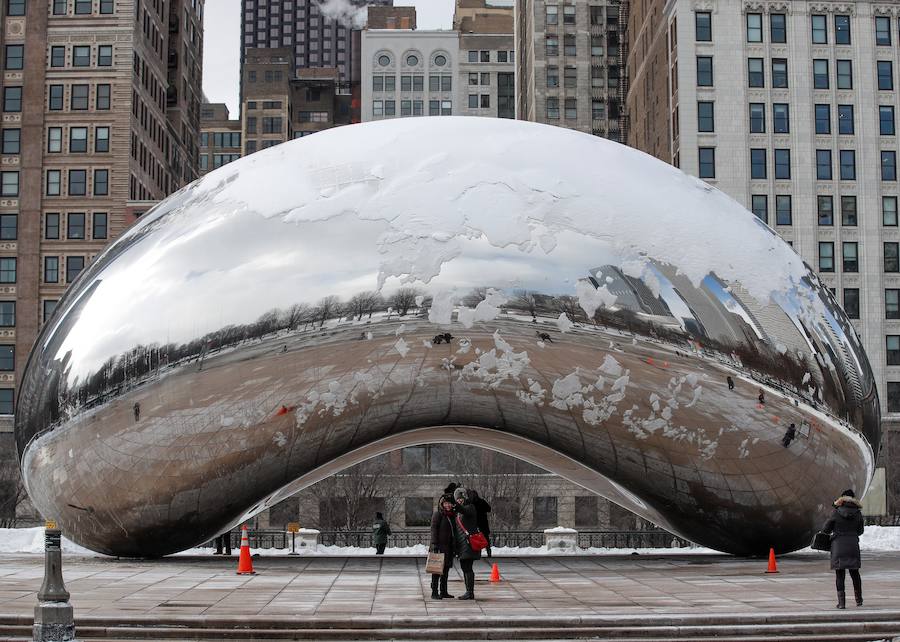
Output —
(468, 516)
(482, 508)
(845, 526)
(442, 542)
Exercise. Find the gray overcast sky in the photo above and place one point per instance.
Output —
(222, 38)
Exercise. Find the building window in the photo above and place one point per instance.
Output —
(552, 18)
(473, 101)
(886, 120)
(83, 6)
(59, 7)
(9, 184)
(81, 56)
(434, 108)
(390, 107)
(552, 46)
(892, 347)
(99, 228)
(417, 107)
(891, 256)
(51, 269)
(377, 108)
(54, 182)
(552, 76)
(846, 123)
(889, 211)
(707, 161)
(406, 108)
(107, 7)
(377, 83)
(103, 96)
(782, 164)
(104, 55)
(823, 164)
(11, 140)
(848, 211)
(755, 74)
(885, 75)
(74, 266)
(848, 164)
(825, 209)
(781, 118)
(15, 7)
(8, 269)
(704, 71)
(757, 163)
(851, 301)
(783, 210)
(568, 15)
(703, 26)
(553, 108)
(851, 259)
(419, 509)
(56, 97)
(446, 83)
(101, 139)
(820, 74)
(51, 226)
(75, 226)
(446, 108)
(819, 29)
(779, 73)
(101, 182)
(844, 74)
(883, 31)
(777, 27)
(78, 139)
(826, 256)
(571, 109)
(9, 227)
(49, 307)
(15, 57)
(486, 101)
(842, 30)
(12, 99)
(57, 56)
(754, 27)
(79, 99)
(570, 79)
(77, 182)
(757, 118)
(6, 401)
(892, 303)
(7, 358)
(7, 314)
(705, 116)
(544, 512)
(888, 165)
(586, 511)
(54, 140)
(823, 119)
(759, 205)
(569, 44)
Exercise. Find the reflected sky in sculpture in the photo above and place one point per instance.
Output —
(282, 317)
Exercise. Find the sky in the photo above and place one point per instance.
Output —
(222, 37)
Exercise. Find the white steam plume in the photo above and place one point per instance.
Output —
(345, 12)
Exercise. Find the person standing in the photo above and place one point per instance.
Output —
(380, 531)
(845, 526)
(482, 508)
(223, 540)
(442, 542)
(466, 522)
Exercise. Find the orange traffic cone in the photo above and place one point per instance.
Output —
(245, 563)
(495, 573)
(773, 567)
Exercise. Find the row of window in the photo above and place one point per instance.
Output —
(73, 265)
(388, 82)
(79, 98)
(77, 183)
(218, 160)
(270, 125)
(759, 205)
(850, 255)
(221, 139)
(81, 56)
(75, 225)
(484, 55)
(819, 33)
(598, 16)
(265, 104)
(82, 7)
(412, 107)
(411, 60)
(756, 77)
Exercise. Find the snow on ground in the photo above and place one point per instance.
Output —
(24, 541)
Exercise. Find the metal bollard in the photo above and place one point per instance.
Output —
(53, 616)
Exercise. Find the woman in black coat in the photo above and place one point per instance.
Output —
(845, 526)
(482, 508)
(442, 542)
(468, 517)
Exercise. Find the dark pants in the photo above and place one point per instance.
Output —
(379, 549)
(439, 582)
(223, 540)
(468, 575)
(839, 576)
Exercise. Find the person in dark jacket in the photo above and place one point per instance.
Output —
(442, 542)
(789, 436)
(466, 521)
(482, 508)
(380, 532)
(845, 526)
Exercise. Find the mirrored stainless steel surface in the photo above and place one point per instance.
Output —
(525, 288)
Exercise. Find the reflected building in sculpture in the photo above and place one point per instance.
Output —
(498, 313)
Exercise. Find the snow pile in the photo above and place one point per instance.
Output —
(31, 540)
(880, 538)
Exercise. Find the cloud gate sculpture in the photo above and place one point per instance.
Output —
(525, 288)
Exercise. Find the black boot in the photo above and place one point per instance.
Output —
(470, 586)
(842, 600)
(444, 592)
(858, 594)
(434, 587)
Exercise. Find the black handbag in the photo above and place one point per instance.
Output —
(821, 542)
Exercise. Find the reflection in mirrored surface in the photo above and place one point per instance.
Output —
(597, 313)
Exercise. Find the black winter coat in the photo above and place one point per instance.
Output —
(469, 517)
(482, 508)
(845, 526)
(442, 532)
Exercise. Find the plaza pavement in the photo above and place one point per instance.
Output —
(397, 586)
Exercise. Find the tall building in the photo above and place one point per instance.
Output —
(791, 108)
(317, 36)
(486, 59)
(220, 137)
(568, 64)
(101, 110)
